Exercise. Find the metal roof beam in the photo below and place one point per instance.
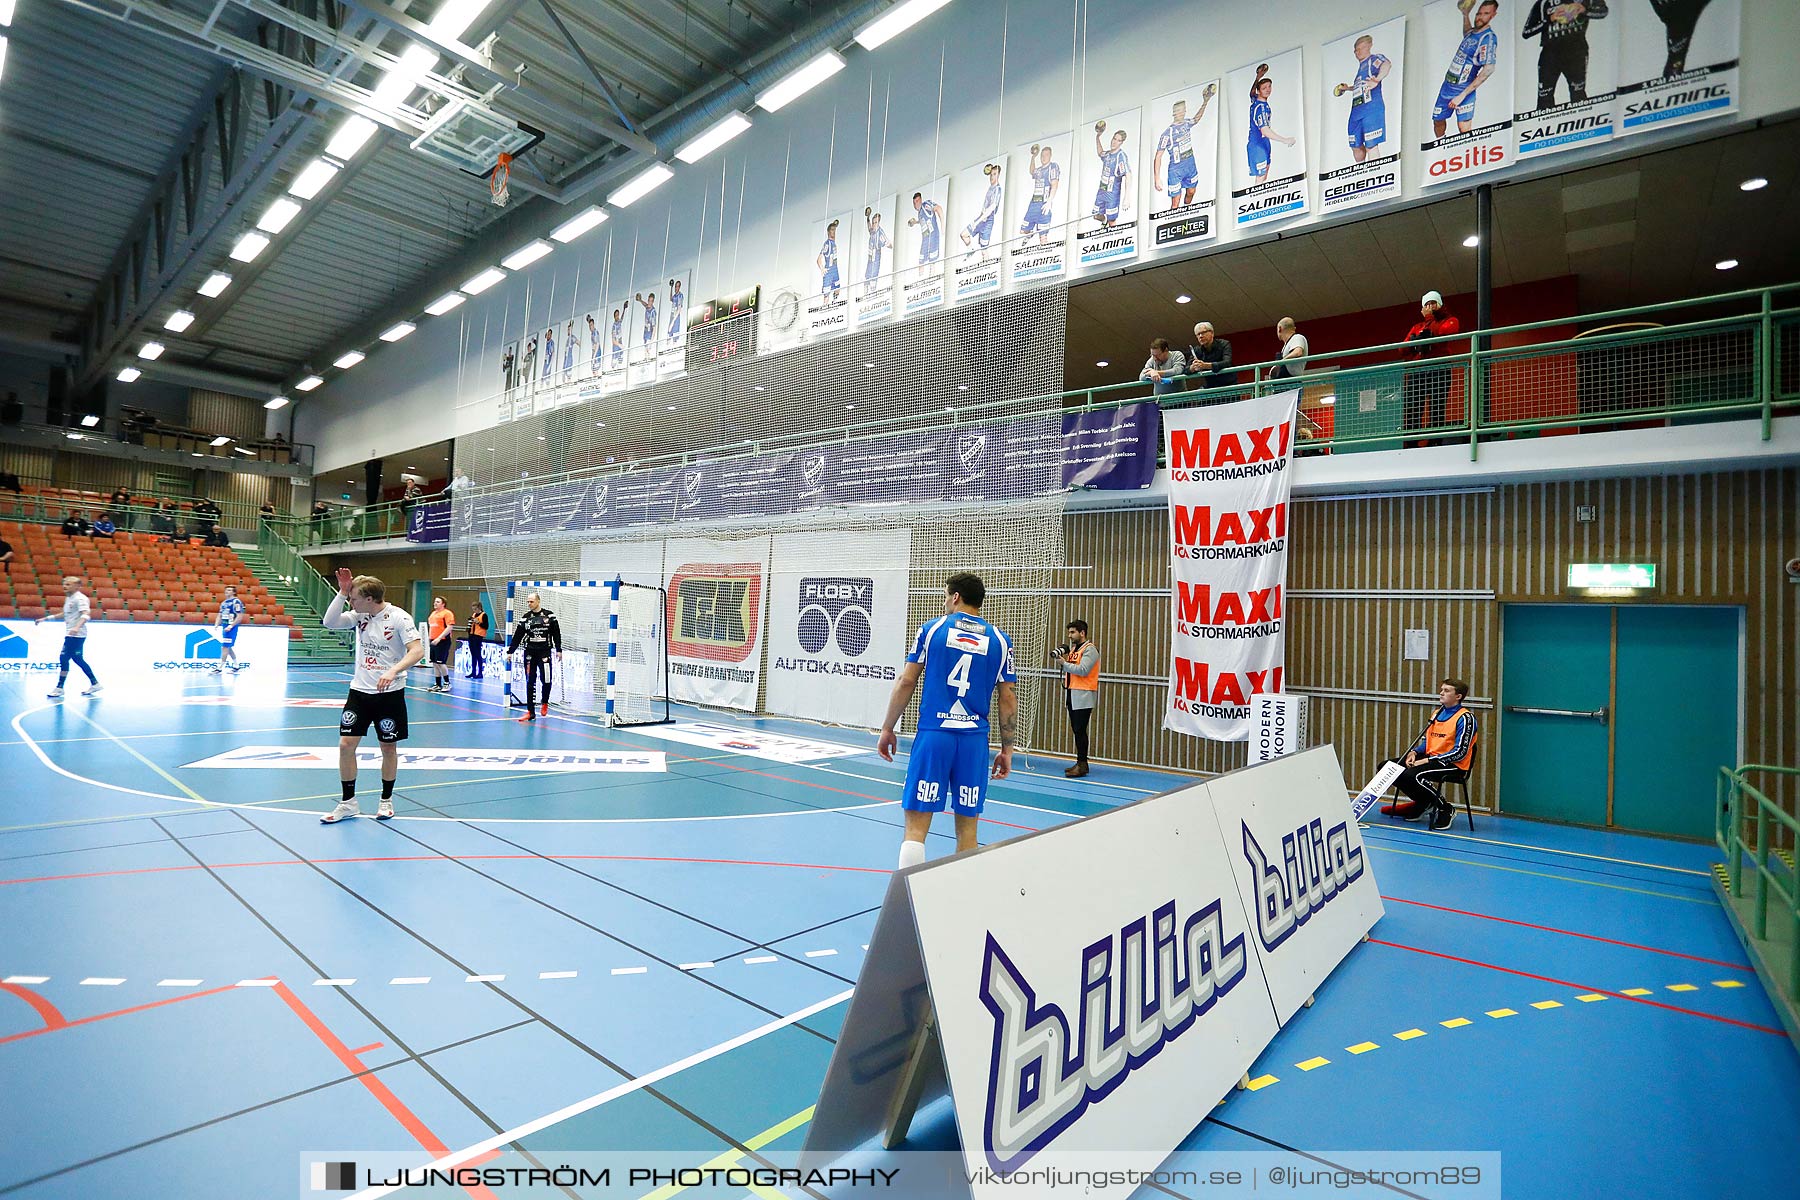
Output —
(592, 70)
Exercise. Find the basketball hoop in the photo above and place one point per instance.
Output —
(497, 180)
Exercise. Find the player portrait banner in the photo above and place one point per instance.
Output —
(717, 591)
(1361, 138)
(671, 344)
(1230, 473)
(1268, 141)
(643, 321)
(1037, 203)
(1184, 165)
(1678, 62)
(927, 213)
(613, 319)
(980, 207)
(1564, 90)
(828, 310)
(1108, 230)
(1469, 55)
(876, 254)
(837, 624)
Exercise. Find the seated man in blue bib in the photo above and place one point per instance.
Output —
(965, 663)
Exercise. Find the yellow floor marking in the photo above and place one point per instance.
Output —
(1313, 1064)
(1728, 983)
(1455, 1022)
(1634, 991)
(1261, 1082)
(1683, 987)
(733, 1157)
(1498, 1013)
(1362, 1047)
(1546, 1004)
(1407, 1035)
(1590, 997)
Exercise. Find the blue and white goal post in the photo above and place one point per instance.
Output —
(615, 652)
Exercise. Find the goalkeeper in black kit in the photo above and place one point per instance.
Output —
(1561, 30)
(540, 636)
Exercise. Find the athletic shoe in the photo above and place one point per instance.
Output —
(91, 690)
(216, 668)
(527, 717)
(1443, 816)
(546, 709)
(55, 693)
(1421, 811)
(345, 810)
(386, 811)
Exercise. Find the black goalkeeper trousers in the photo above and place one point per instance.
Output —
(536, 668)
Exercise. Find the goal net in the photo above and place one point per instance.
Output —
(615, 657)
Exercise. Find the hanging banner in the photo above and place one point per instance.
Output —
(1039, 206)
(1110, 450)
(671, 346)
(837, 624)
(429, 522)
(613, 374)
(1471, 107)
(828, 309)
(1362, 165)
(1184, 166)
(1268, 137)
(641, 325)
(922, 253)
(980, 202)
(1109, 230)
(715, 596)
(1230, 473)
(1565, 90)
(876, 252)
(1678, 62)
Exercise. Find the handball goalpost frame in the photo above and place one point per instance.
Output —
(610, 653)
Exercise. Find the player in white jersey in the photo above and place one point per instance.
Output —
(387, 645)
(1046, 178)
(75, 613)
(981, 229)
(877, 242)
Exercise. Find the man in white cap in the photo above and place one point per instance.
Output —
(1425, 392)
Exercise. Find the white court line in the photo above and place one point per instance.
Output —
(257, 982)
(181, 983)
(763, 958)
(408, 980)
(556, 974)
(820, 953)
(36, 979)
(459, 1157)
(630, 970)
(333, 982)
(486, 979)
(96, 981)
(694, 966)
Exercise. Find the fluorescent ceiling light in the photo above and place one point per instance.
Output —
(275, 402)
(896, 21)
(313, 179)
(178, 320)
(733, 124)
(579, 224)
(249, 246)
(641, 185)
(2, 55)
(1753, 185)
(1183, 299)
(151, 350)
(308, 384)
(276, 217)
(129, 375)
(1725, 264)
(1472, 241)
(89, 421)
(445, 303)
(242, 450)
(453, 17)
(802, 81)
(483, 281)
(351, 136)
(221, 440)
(347, 360)
(215, 283)
(396, 332)
(6, 12)
(403, 77)
(527, 254)
(1103, 363)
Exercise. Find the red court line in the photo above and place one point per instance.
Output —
(46, 1011)
(1474, 962)
(408, 1119)
(303, 862)
(368, 1049)
(122, 1012)
(1592, 937)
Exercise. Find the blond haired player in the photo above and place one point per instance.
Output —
(387, 644)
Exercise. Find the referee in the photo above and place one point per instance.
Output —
(1079, 659)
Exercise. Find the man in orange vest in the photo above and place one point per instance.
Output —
(443, 641)
(1080, 662)
(1443, 754)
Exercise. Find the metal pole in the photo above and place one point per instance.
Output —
(1765, 376)
(1484, 309)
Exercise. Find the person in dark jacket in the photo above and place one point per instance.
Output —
(1209, 360)
(539, 634)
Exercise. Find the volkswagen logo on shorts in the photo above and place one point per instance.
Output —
(349, 719)
(839, 608)
(387, 725)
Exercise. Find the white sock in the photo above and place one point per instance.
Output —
(911, 854)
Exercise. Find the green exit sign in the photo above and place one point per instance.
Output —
(1635, 576)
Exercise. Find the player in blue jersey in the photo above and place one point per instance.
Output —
(1368, 111)
(649, 316)
(965, 664)
(618, 338)
(677, 310)
(569, 348)
(827, 263)
(593, 344)
(549, 352)
(981, 229)
(1173, 167)
(928, 215)
(876, 242)
(1262, 126)
(1474, 61)
(1115, 169)
(231, 615)
(1046, 177)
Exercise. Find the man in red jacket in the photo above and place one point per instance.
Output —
(1424, 393)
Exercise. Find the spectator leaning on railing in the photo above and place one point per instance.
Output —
(1209, 360)
(1164, 367)
(1294, 349)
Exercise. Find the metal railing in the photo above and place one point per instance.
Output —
(286, 561)
(1772, 876)
(1627, 368)
(143, 515)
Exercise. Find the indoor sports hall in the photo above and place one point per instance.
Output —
(516, 518)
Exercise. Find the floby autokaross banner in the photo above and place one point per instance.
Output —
(1230, 475)
(837, 624)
